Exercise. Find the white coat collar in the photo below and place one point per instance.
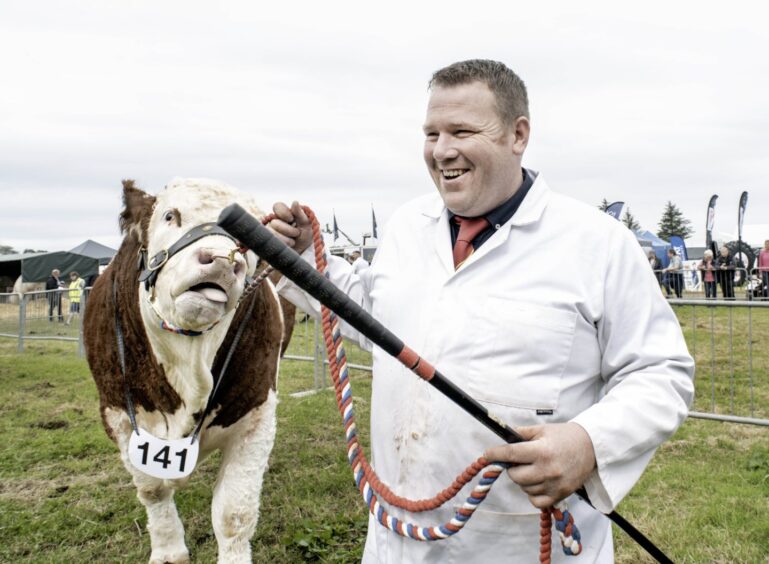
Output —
(530, 211)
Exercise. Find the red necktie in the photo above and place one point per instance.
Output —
(469, 228)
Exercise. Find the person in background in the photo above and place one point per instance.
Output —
(76, 287)
(593, 376)
(725, 273)
(763, 269)
(656, 266)
(708, 268)
(357, 261)
(674, 273)
(52, 286)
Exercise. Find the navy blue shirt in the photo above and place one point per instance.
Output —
(499, 215)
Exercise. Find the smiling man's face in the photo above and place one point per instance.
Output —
(473, 158)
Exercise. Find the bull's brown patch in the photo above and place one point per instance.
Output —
(252, 370)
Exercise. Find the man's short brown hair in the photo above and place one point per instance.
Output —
(507, 87)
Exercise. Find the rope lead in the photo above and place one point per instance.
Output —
(372, 488)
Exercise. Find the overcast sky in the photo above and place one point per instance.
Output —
(324, 102)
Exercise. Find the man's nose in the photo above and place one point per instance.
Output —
(444, 148)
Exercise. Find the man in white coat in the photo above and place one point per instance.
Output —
(581, 355)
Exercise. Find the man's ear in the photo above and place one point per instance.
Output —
(521, 130)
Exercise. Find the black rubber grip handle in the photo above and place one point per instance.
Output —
(250, 232)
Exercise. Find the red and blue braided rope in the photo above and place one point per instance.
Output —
(569, 534)
(354, 453)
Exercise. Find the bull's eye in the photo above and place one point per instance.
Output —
(173, 216)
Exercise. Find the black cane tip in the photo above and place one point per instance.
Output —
(230, 215)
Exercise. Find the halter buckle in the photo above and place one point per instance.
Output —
(166, 256)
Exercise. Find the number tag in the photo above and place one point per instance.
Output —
(161, 458)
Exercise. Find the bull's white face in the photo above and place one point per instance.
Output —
(199, 285)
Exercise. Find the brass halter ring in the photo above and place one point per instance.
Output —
(230, 257)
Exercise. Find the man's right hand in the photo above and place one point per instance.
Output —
(292, 226)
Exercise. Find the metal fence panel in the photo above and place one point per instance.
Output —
(35, 316)
(729, 340)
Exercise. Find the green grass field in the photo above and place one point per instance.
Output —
(64, 496)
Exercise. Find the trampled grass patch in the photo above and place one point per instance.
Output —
(64, 495)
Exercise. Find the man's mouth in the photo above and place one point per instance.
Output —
(451, 174)
(210, 291)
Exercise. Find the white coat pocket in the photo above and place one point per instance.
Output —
(521, 353)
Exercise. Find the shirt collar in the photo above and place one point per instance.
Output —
(503, 212)
(529, 211)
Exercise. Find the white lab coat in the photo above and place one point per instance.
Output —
(555, 318)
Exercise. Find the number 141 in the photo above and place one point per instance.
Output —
(162, 456)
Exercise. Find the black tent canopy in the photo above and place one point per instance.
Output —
(91, 248)
(38, 268)
(85, 259)
(10, 269)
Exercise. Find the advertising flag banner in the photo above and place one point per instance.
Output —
(615, 210)
(709, 224)
(373, 224)
(690, 281)
(741, 214)
(679, 246)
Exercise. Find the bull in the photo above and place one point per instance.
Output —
(185, 360)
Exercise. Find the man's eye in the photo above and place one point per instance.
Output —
(431, 136)
(463, 133)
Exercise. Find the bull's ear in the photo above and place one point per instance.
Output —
(137, 209)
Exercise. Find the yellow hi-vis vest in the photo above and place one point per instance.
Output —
(75, 289)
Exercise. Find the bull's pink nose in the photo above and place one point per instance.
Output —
(208, 256)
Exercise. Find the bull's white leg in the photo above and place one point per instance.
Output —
(163, 523)
(157, 496)
(235, 508)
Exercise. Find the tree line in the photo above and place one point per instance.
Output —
(671, 223)
(8, 250)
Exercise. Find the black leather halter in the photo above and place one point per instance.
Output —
(149, 270)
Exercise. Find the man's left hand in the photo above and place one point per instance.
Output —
(553, 462)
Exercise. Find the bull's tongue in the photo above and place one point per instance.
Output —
(213, 294)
